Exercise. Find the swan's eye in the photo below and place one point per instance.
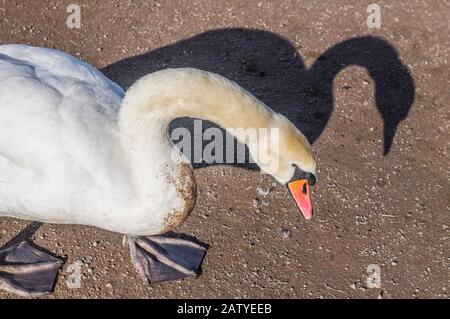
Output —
(311, 180)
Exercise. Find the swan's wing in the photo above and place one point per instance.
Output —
(11, 171)
(58, 124)
(54, 63)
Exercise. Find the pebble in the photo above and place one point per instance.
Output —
(262, 192)
(256, 202)
(285, 233)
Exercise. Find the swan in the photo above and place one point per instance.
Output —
(76, 149)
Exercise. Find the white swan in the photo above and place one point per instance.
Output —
(74, 148)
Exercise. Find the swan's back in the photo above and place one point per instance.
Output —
(50, 63)
(58, 128)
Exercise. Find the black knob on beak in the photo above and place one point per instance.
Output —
(299, 174)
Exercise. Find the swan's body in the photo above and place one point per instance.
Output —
(74, 148)
(60, 158)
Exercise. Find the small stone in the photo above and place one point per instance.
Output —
(109, 285)
(285, 233)
(262, 192)
(353, 286)
(394, 263)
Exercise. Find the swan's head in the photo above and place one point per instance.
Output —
(292, 163)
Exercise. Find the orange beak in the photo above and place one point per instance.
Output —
(300, 192)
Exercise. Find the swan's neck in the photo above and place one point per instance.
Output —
(155, 100)
(189, 92)
(161, 176)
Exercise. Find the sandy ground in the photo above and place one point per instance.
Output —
(318, 63)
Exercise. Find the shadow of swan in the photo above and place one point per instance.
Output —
(270, 67)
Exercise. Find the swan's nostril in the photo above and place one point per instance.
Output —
(304, 191)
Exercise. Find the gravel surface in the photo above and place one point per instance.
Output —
(342, 83)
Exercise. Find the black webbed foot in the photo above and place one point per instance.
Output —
(27, 271)
(167, 257)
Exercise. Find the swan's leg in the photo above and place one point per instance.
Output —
(26, 270)
(166, 257)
